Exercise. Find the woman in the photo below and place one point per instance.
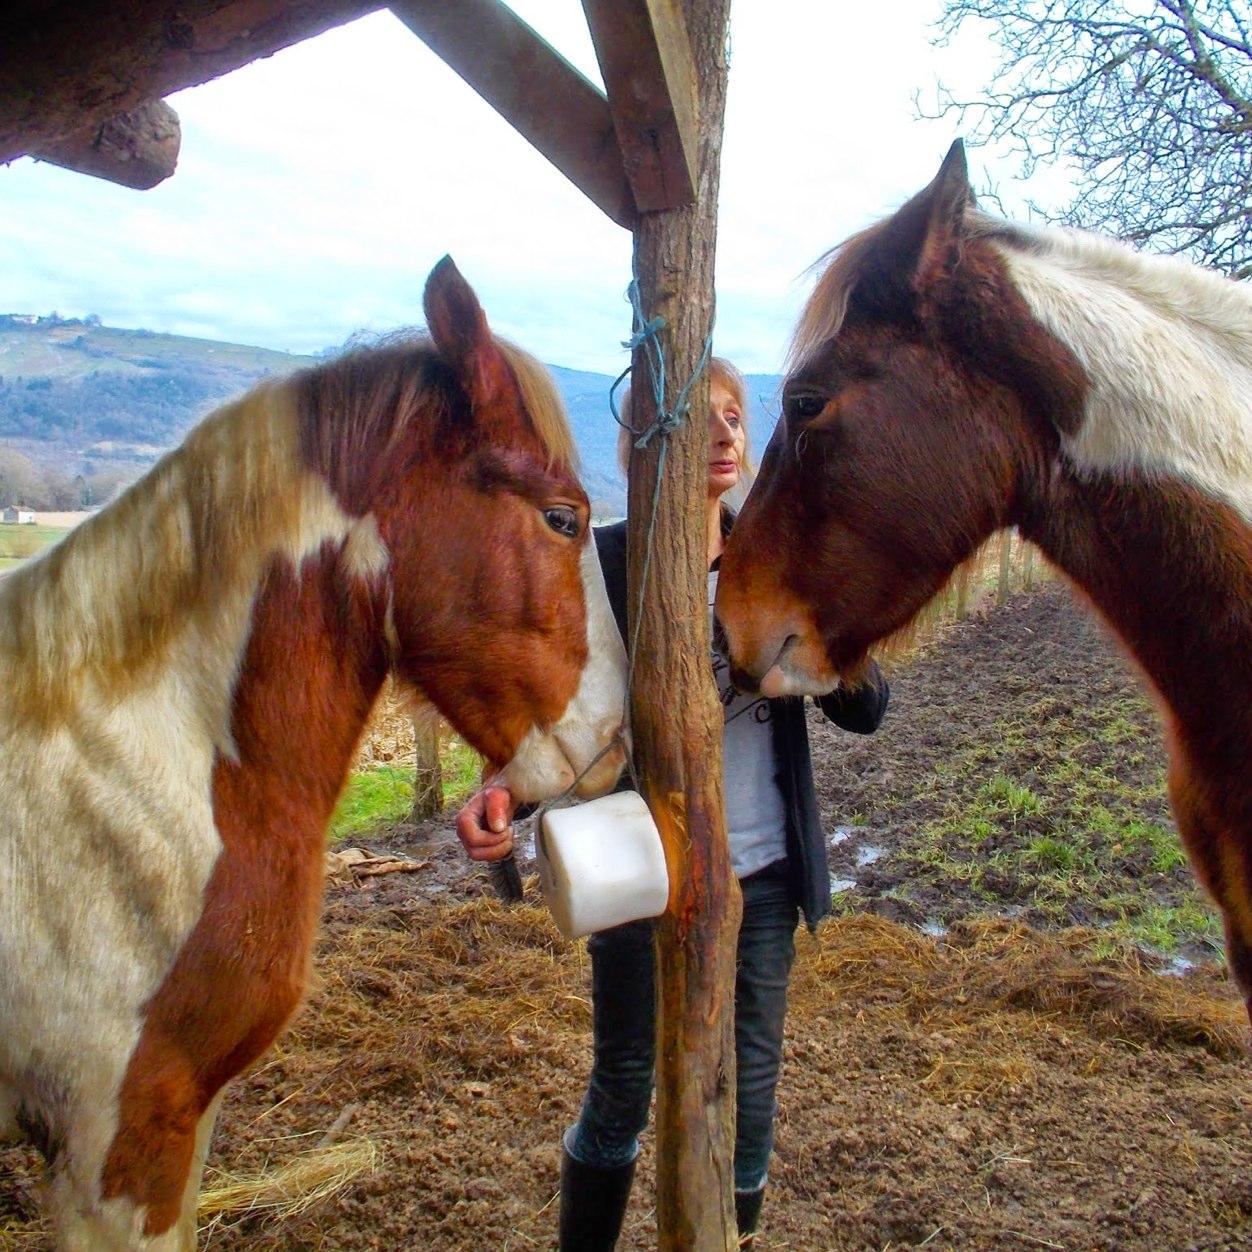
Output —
(778, 852)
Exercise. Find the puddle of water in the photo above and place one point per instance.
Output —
(838, 885)
(1178, 966)
(841, 834)
(869, 854)
(936, 930)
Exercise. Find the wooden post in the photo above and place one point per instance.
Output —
(64, 67)
(961, 609)
(1028, 567)
(676, 717)
(428, 776)
(1006, 552)
(137, 149)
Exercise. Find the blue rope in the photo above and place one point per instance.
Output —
(647, 336)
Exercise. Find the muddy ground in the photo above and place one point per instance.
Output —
(979, 1056)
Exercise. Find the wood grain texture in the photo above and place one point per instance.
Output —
(539, 93)
(677, 721)
(645, 60)
(73, 66)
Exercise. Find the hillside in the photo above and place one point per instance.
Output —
(92, 405)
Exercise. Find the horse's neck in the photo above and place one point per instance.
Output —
(1168, 351)
(153, 599)
(315, 661)
(1170, 568)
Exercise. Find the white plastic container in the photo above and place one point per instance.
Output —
(601, 864)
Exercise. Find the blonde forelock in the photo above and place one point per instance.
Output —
(544, 405)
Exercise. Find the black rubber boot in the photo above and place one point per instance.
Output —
(593, 1203)
(748, 1214)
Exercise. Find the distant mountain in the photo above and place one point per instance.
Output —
(82, 399)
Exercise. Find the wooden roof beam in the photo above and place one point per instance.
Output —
(649, 74)
(138, 149)
(536, 90)
(73, 66)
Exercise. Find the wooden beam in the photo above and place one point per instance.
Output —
(533, 87)
(676, 717)
(74, 66)
(645, 59)
(138, 149)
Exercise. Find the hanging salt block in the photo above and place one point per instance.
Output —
(601, 864)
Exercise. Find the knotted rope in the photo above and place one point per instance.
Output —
(645, 335)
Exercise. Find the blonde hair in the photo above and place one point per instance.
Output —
(722, 372)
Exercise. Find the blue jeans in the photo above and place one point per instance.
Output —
(623, 993)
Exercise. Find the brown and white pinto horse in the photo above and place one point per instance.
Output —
(183, 681)
(953, 374)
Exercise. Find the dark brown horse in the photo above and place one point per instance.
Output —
(183, 681)
(954, 374)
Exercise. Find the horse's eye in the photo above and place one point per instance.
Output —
(563, 520)
(804, 406)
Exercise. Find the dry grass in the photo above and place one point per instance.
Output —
(290, 1189)
(474, 1013)
(995, 967)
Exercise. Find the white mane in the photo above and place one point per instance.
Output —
(1168, 348)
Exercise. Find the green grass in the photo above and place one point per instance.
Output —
(462, 770)
(1163, 926)
(377, 798)
(1051, 853)
(372, 799)
(1007, 797)
(1033, 819)
(17, 542)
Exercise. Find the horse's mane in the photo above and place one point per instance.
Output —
(543, 403)
(1169, 285)
(842, 267)
(185, 546)
(355, 407)
(193, 532)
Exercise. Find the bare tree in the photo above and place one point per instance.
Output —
(1151, 100)
(21, 480)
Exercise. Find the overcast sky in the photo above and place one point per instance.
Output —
(316, 189)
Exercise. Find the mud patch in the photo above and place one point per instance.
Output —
(1012, 1081)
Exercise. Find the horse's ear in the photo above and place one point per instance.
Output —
(946, 199)
(459, 329)
(919, 244)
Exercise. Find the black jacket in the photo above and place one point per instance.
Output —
(859, 709)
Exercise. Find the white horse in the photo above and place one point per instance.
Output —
(183, 682)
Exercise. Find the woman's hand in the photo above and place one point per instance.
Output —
(485, 824)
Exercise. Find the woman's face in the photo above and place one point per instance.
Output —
(726, 438)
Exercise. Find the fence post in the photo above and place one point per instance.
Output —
(428, 776)
(1006, 551)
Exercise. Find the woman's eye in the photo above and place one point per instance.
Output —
(562, 519)
(804, 406)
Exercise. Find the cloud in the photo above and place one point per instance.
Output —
(317, 187)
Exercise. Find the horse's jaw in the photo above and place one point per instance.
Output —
(800, 668)
(587, 746)
(544, 766)
(779, 653)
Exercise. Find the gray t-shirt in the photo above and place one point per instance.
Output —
(756, 819)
